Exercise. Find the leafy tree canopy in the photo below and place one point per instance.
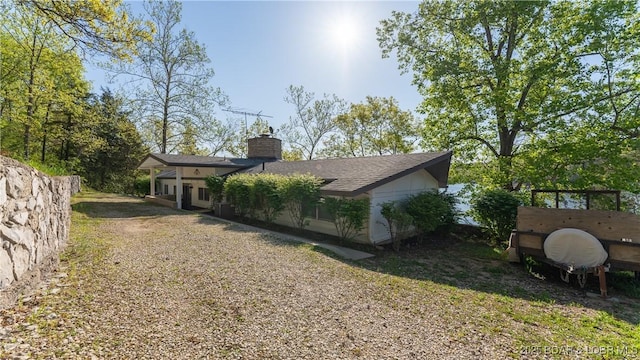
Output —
(535, 92)
(96, 26)
(375, 127)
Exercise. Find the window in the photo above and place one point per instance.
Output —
(174, 190)
(203, 194)
(323, 213)
(166, 189)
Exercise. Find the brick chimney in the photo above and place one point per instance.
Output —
(264, 147)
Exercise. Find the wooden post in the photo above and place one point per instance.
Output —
(603, 281)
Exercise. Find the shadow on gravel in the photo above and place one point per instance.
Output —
(123, 209)
(468, 265)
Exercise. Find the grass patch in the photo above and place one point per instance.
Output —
(483, 251)
(626, 283)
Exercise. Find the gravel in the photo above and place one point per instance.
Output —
(176, 285)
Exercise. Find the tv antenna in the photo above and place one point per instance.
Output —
(258, 116)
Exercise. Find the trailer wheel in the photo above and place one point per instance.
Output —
(582, 280)
(564, 275)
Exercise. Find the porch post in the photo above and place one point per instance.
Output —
(152, 176)
(179, 187)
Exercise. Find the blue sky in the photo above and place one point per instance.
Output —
(258, 49)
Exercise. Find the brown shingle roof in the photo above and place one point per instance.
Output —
(353, 176)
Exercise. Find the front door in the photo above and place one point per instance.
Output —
(186, 196)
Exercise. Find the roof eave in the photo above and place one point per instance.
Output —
(152, 156)
(441, 178)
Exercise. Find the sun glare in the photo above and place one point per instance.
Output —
(344, 32)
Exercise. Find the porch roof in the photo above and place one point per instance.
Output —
(156, 160)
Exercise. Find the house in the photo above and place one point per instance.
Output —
(379, 178)
(181, 177)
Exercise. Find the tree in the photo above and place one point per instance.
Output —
(173, 91)
(536, 91)
(109, 161)
(96, 26)
(376, 127)
(42, 79)
(312, 121)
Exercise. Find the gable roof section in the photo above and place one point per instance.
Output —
(165, 160)
(354, 176)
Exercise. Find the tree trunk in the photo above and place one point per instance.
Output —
(43, 154)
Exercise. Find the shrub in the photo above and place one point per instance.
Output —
(432, 211)
(349, 215)
(496, 210)
(266, 196)
(300, 191)
(269, 194)
(142, 186)
(215, 184)
(238, 191)
(398, 222)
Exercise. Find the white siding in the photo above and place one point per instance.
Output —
(324, 226)
(398, 189)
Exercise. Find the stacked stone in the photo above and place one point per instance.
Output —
(35, 212)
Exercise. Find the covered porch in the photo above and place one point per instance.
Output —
(184, 176)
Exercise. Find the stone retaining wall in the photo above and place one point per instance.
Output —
(35, 216)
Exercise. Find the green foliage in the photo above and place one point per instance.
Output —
(46, 112)
(349, 214)
(51, 168)
(532, 92)
(97, 26)
(431, 211)
(215, 184)
(267, 195)
(300, 191)
(376, 127)
(237, 188)
(142, 186)
(496, 210)
(398, 222)
(109, 161)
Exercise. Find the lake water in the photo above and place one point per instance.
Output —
(463, 204)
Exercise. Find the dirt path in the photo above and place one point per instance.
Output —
(145, 282)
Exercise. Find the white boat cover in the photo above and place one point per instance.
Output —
(574, 248)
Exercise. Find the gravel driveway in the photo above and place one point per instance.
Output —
(163, 284)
